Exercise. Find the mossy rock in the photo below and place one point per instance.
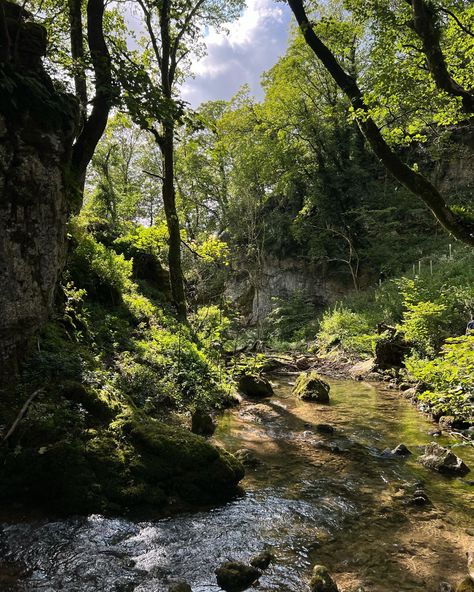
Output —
(311, 387)
(321, 580)
(131, 464)
(233, 576)
(466, 585)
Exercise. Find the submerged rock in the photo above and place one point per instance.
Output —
(401, 450)
(180, 587)
(202, 423)
(247, 457)
(325, 428)
(443, 460)
(233, 576)
(310, 387)
(262, 560)
(321, 580)
(255, 386)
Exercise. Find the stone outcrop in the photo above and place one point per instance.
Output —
(37, 128)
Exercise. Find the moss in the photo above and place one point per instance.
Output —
(311, 387)
(116, 467)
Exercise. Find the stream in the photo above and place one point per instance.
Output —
(313, 497)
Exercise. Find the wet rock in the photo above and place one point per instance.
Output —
(419, 498)
(247, 457)
(443, 460)
(330, 446)
(262, 560)
(180, 587)
(255, 386)
(236, 577)
(449, 422)
(310, 387)
(324, 428)
(202, 423)
(435, 433)
(409, 393)
(401, 450)
(321, 580)
(465, 585)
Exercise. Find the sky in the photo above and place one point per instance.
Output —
(251, 45)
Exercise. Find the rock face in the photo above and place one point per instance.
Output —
(236, 577)
(443, 460)
(321, 580)
(37, 127)
(310, 387)
(255, 386)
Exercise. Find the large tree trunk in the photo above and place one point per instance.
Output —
(172, 221)
(37, 128)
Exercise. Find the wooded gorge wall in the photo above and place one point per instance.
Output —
(37, 127)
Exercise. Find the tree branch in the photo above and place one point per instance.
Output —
(413, 181)
(425, 26)
(94, 127)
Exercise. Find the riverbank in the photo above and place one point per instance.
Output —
(310, 497)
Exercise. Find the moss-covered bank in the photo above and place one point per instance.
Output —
(114, 375)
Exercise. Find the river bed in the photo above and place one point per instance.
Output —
(330, 498)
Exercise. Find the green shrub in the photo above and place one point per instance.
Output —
(346, 330)
(293, 318)
(449, 378)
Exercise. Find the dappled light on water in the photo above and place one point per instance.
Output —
(313, 495)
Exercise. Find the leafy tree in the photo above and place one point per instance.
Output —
(150, 79)
(429, 35)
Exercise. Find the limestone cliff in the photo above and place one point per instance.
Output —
(37, 127)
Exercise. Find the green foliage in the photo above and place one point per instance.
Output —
(448, 378)
(346, 330)
(292, 319)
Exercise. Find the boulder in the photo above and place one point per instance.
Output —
(443, 460)
(255, 386)
(363, 369)
(310, 387)
(202, 423)
(262, 560)
(321, 581)
(233, 576)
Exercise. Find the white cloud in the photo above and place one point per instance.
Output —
(252, 45)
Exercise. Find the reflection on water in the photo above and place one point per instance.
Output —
(314, 497)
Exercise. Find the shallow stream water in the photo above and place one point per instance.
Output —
(313, 498)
